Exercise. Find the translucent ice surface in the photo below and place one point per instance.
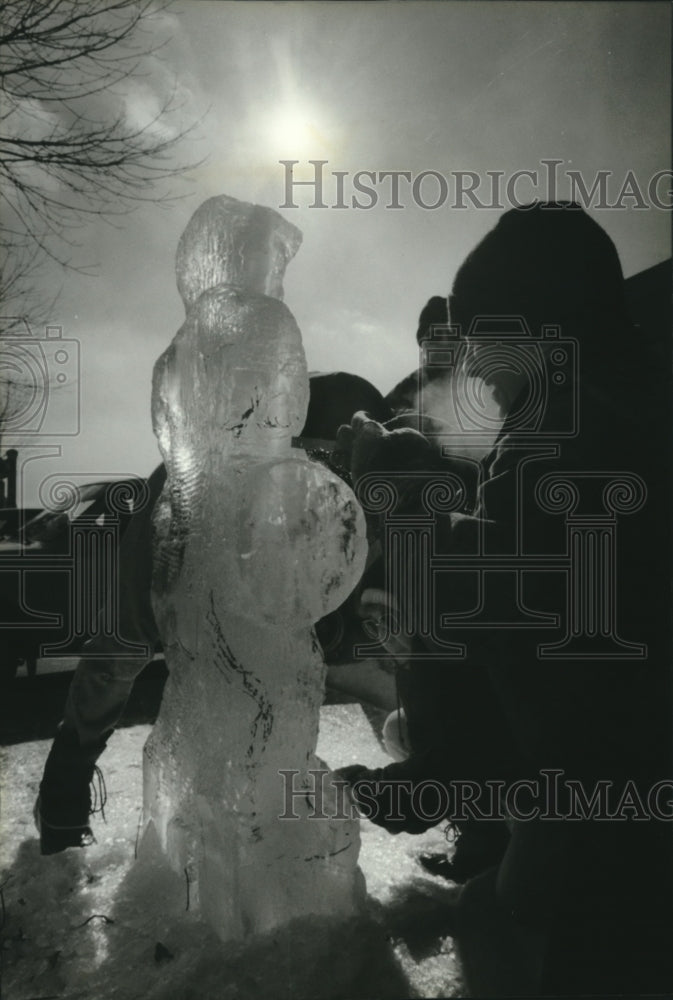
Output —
(253, 544)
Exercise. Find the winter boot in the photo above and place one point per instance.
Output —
(64, 803)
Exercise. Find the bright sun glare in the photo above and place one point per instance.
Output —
(297, 130)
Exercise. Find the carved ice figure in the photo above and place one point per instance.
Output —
(253, 543)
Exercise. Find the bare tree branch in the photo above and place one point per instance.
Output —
(72, 143)
(75, 144)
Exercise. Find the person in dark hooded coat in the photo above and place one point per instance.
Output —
(581, 903)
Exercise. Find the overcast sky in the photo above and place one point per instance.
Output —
(415, 86)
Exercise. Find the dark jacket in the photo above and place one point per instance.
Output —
(508, 713)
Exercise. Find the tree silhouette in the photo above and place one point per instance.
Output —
(72, 143)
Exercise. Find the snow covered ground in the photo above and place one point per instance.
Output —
(93, 924)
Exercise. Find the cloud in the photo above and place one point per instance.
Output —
(351, 340)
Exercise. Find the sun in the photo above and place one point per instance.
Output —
(297, 130)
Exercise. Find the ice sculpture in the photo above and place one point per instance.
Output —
(253, 543)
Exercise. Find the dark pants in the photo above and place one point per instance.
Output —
(102, 683)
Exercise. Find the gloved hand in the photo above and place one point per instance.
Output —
(351, 773)
(371, 448)
(359, 442)
(384, 795)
